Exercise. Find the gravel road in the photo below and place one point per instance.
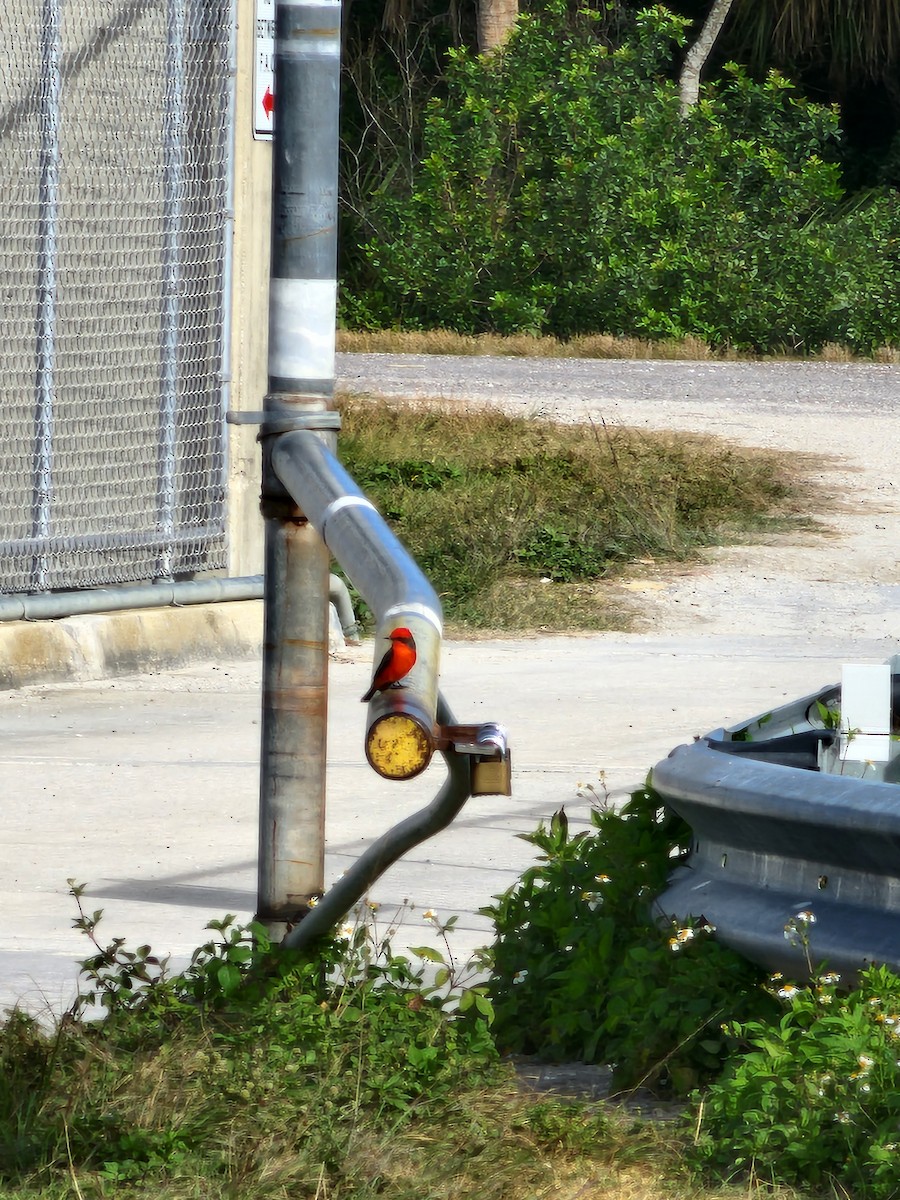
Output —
(845, 580)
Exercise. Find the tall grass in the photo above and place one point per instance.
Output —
(588, 345)
(522, 524)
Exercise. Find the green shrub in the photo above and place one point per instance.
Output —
(812, 1098)
(560, 192)
(582, 968)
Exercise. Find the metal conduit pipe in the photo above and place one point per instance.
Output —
(54, 605)
(339, 596)
(400, 735)
(383, 853)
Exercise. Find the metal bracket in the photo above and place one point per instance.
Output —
(271, 423)
(488, 748)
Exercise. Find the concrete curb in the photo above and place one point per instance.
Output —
(104, 645)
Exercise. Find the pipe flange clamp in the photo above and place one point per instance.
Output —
(272, 423)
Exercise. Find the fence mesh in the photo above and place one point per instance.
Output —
(114, 164)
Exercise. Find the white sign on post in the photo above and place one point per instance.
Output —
(264, 70)
(866, 712)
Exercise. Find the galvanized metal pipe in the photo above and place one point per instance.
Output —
(54, 605)
(294, 726)
(353, 885)
(51, 53)
(302, 304)
(173, 186)
(378, 564)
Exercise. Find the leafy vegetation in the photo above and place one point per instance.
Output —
(559, 192)
(516, 520)
(811, 1099)
(347, 1074)
(256, 1073)
(793, 1084)
(583, 968)
(353, 1071)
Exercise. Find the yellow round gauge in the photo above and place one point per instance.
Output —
(398, 747)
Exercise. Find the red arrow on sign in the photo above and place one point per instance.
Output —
(268, 103)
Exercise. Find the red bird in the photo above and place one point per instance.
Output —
(397, 662)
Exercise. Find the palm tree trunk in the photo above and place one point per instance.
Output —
(695, 59)
(495, 19)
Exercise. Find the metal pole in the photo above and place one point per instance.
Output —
(51, 50)
(383, 853)
(173, 155)
(302, 300)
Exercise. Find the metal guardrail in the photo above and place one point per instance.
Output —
(772, 840)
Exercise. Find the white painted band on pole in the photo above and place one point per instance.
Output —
(302, 328)
(345, 502)
(419, 610)
(305, 46)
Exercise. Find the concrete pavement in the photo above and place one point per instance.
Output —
(145, 787)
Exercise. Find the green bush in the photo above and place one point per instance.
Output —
(583, 969)
(812, 1098)
(560, 192)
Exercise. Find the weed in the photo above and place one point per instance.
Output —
(810, 1098)
(588, 345)
(584, 969)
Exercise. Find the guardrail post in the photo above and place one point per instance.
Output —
(302, 296)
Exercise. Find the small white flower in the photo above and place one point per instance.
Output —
(788, 991)
(429, 915)
(805, 917)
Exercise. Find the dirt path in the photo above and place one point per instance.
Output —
(846, 579)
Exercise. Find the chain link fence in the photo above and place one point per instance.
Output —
(115, 134)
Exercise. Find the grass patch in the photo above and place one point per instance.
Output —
(589, 345)
(259, 1073)
(522, 524)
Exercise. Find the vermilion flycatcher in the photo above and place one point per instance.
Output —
(397, 662)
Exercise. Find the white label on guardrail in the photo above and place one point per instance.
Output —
(866, 712)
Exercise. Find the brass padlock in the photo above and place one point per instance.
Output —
(492, 776)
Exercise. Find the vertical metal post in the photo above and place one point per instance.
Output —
(173, 187)
(51, 51)
(218, 515)
(302, 297)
